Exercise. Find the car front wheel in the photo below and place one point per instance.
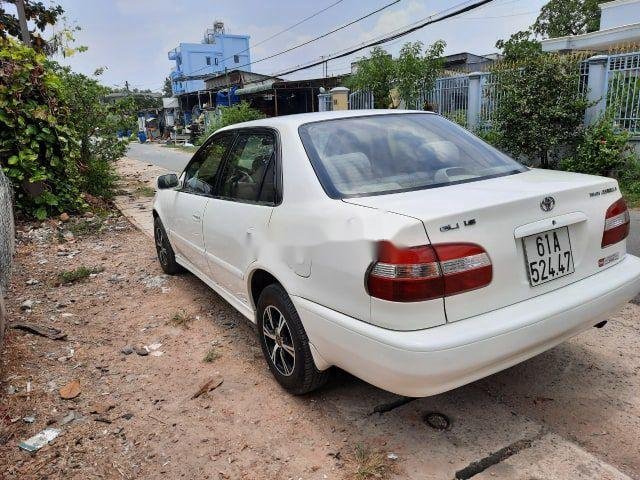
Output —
(285, 344)
(166, 255)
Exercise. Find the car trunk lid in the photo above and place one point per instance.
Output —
(503, 215)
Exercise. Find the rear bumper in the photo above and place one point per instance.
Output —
(427, 362)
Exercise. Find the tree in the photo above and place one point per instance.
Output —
(519, 46)
(167, 89)
(416, 72)
(540, 110)
(375, 74)
(559, 18)
(36, 12)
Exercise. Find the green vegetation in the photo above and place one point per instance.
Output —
(38, 145)
(145, 191)
(241, 112)
(375, 74)
(80, 273)
(86, 226)
(57, 134)
(520, 46)
(180, 319)
(414, 71)
(540, 112)
(417, 71)
(370, 465)
(559, 18)
(211, 355)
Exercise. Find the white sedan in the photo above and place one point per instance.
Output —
(394, 245)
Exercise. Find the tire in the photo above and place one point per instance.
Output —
(166, 255)
(286, 349)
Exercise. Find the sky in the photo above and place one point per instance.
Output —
(131, 38)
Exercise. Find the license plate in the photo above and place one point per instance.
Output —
(548, 255)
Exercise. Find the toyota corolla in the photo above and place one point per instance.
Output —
(394, 245)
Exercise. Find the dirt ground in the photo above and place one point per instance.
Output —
(572, 412)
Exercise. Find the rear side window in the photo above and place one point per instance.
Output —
(248, 174)
(399, 152)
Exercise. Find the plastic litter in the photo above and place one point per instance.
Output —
(38, 441)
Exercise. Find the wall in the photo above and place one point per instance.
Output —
(618, 13)
(191, 59)
(6, 244)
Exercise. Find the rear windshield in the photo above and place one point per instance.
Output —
(380, 154)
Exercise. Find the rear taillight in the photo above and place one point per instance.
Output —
(616, 223)
(430, 271)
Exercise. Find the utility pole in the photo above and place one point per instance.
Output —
(22, 19)
(126, 85)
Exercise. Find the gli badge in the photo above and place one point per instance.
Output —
(547, 204)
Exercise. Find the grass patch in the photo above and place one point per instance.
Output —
(145, 191)
(211, 355)
(370, 464)
(80, 273)
(180, 319)
(86, 226)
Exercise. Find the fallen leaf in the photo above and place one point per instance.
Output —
(70, 390)
(207, 387)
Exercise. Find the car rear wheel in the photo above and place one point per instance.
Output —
(285, 344)
(166, 255)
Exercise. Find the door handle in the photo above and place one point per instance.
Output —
(196, 218)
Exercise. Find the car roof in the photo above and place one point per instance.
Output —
(294, 121)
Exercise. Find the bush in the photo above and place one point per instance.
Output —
(38, 144)
(601, 150)
(540, 112)
(57, 137)
(239, 113)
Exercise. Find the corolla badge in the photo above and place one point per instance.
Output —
(547, 204)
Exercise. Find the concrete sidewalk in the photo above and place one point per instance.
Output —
(135, 200)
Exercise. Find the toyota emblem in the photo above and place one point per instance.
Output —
(547, 204)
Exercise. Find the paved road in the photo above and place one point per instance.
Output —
(173, 159)
(152, 154)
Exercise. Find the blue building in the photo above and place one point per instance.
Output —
(217, 51)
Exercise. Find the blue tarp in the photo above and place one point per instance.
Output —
(226, 99)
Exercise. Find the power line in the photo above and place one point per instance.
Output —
(342, 27)
(431, 20)
(286, 29)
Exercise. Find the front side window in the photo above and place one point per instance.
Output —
(249, 173)
(380, 154)
(201, 174)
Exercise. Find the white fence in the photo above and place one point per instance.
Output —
(623, 90)
(450, 98)
(607, 81)
(361, 101)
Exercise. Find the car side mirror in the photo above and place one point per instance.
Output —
(170, 180)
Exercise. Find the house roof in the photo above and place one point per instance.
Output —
(601, 39)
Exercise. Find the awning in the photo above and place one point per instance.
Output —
(256, 87)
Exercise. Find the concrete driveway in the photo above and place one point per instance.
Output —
(572, 412)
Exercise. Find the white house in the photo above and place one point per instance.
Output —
(619, 24)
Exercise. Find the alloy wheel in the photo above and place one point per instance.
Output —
(277, 337)
(163, 254)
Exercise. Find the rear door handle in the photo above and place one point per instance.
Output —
(196, 218)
